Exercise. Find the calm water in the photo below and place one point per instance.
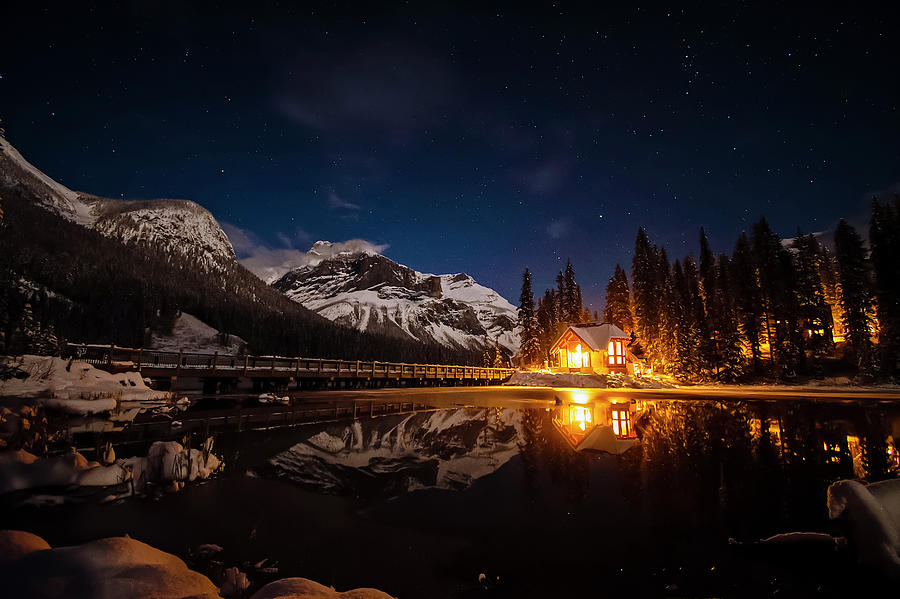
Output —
(594, 497)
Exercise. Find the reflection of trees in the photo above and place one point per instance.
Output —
(530, 447)
(874, 445)
(702, 466)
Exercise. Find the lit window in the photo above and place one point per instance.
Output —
(620, 418)
(580, 416)
(616, 351)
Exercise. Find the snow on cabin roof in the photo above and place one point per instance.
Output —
(596, 336)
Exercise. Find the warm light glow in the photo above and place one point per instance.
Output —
(576, 358)
(580, 397)
(580, 416)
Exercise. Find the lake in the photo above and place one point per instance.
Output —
(592, 494)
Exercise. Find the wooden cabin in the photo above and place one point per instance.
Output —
(594, 348)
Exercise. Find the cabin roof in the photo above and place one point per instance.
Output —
(595, 336)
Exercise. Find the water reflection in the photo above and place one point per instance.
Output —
(752, 468)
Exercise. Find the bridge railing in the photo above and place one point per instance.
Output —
(113, 357)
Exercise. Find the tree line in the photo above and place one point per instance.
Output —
(773, 307)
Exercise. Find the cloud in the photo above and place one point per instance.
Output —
(271, 263)
(336, 202)
(557, 228)
(396, 91)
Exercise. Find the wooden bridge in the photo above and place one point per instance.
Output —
(276, 369)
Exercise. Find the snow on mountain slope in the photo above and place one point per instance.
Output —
(189, 333)
(445, 449)
(370, 292)
(179, 226)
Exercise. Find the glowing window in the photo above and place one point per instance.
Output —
(620, 418)
(616, 351)
(580, 416)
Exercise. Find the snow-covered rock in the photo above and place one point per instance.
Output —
(302, 588)
(76, 387)
(873, 513)
(367, 291)
(115, 567)
(177, 226)
(126, 568)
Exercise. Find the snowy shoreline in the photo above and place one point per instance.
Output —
(126, 568)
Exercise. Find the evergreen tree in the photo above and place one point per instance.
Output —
(646, 295)
(666, 310)
(618, 301)
(528, 325)
(547, 322)
(856, 292)
(571, 296)
(712, 306)
(745, 287)
(686, 321)
(884, 238)
(813, 312)
(730, 343)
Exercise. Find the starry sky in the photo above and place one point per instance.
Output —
(480, 139)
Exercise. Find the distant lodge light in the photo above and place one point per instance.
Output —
(594, 348)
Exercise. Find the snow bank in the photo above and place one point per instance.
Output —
(873, 514)
(125, 568)
(567, 379)
(556, 379)
(75, 387)
(167, 463)
(116, 567)
(301, 588)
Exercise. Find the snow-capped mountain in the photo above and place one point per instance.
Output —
(177, 226)
(445, 449)
(370, 292)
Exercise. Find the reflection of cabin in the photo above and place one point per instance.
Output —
(598, 425)
(594, 348)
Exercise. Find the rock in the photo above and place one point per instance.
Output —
(302, 588)
(15, 544)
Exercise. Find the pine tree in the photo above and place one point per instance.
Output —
(666, 310)
(884, 238)
(856, 292)
(547, 322)
(618, 301)
(711, 299)
(571, 296)
(646, 294)
(730, 343)
(813, 313)
(528, 325)
(686, 321)
(745, 286)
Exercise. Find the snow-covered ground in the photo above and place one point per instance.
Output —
(599, 381)
(75, 387)
(192, 334)
(126, 568)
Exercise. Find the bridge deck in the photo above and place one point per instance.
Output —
(153, 363)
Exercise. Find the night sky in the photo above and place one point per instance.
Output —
(482, 140)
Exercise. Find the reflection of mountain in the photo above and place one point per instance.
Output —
(447, 449)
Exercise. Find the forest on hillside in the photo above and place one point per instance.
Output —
(774, 307)
(60, 282)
